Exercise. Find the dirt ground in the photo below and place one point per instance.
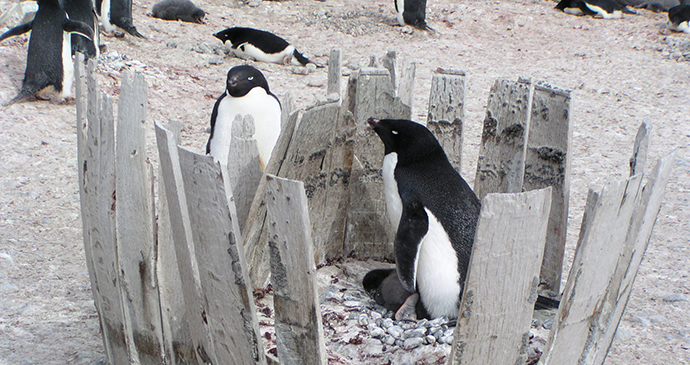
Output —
(620, 72)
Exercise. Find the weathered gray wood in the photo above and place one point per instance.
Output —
(99, 185)
(228, 303)
(335, 64)
(406, 83)
(494, 320)
(644, 217)
(640, 148)
(501, 161)
(299, 331)
(447, 111)
(602, 238)
(320, 155)
(135, 222)
(370, 93)
(244, 166)
(389, 62)
(202, 350)
(254, 236)
(372, 61)
(177, 337)
(547, 163)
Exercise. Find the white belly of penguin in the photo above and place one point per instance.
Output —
(437, 272)
(390, 188)
(247, 51)
(67, 66)
(265, 110)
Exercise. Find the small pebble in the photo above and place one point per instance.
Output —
(363, 320)
(352, 304)
(377, 332)
(412, 342)
(395, 331)
(675, 298)
(548, 324)
(429, 339)
(416, 332)
(387, 322)
(388, 340)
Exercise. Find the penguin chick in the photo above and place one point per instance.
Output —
(49, 57)
(246, 93)
(260, 45)
(433, 211)
(183, 10)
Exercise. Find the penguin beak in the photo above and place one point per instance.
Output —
(220, 36)
(233, 81)
(373, 122)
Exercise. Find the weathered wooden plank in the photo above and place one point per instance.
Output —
(501, 161)
(370, 94)
(299, 331)
(335, 64)
(389, 62)
(228, 302)
(640, 148)
(447, 111)
(320, 156)
(135, 219)
(547, 163)
(406, 83)
(602, 238)
(644, 217)
(244, 166)
(99, 168)
(254, 237)
(177, 337)
(494, 320)
(202, 350)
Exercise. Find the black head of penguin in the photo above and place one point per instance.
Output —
(410, 140)
(241, 79)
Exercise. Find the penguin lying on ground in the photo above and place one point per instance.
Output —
(411, 12)
(678, 18)
(117, 14)
(260, 45)
(183, 10)
(246, 92)
(83, 11)
(606, 9)
(434, 213)
(653, 5)
(49, 58)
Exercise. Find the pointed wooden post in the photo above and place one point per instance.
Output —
(244, 166)
(447, 111)
(335, 62)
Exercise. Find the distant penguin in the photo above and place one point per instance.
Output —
(606, 9)
(246, 92)
(260, 45)
(433, 211)
(83, 11)
(49, 58)
(117, 14)
(653, 5)
(678, 18)
(570, 7)
(183, 10)
(412, 12)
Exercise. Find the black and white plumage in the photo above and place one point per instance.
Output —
(678, 18)
(653, 5)
(83, 11)
(606, 9)
(411, 12)
(49, 58)
(260, 45)
(246, 93)
(183, 10)
(433, 212)
(117, 14)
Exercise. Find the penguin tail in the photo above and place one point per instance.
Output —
(23, 95)
(133, 31)
(127, 26)
(300, 58)
(627, 10)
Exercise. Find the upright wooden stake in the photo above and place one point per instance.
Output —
(335, 62)
(447, 111)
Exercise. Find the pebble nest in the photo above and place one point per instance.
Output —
(359, 331)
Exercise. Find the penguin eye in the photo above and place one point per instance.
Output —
(394, 132)
(250, 78)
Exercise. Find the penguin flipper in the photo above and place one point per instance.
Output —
(73, 26)
(414, 224)
(18, 30)
(214, 116)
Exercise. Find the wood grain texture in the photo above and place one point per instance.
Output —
(547, 163)
(494, 319)
(602, 237)
(640, 148)
(244, 166)
(501, 161)
(335, 64)
(447, 112)
(299, 331)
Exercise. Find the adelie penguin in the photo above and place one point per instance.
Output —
(183, 10)
(246, 92)
(260, 45)
(83, 11)
(411, 12)
(116, 14)
(49, 58)
(434, 214)
(679, 17)
(606, 9)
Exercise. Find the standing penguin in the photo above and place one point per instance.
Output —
(679, 17)
(83, 11)
(117, 14)
(433, 211)
(411, 12)
(260, 45)
(246, 92)
(49, 58)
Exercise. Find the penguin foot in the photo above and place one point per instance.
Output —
(407, 311)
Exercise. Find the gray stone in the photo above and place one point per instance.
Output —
(387, 322)
(412, 342)
(429, 339)
(8, 288)
(548, 324)
(675, 298)
(416, 332)
(352, 304)
(377, 332)
(363, 320)
(395, 331)
(388, 340)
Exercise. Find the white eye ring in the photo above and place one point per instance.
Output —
(250, 78)
(394, 132)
